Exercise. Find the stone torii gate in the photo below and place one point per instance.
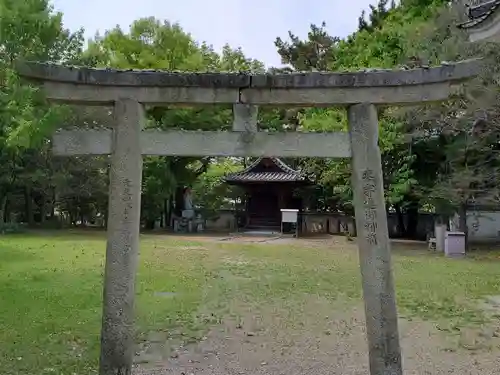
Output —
(129, 91)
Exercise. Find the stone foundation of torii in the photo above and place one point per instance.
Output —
(129, 91)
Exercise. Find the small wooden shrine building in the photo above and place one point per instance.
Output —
(269, 185)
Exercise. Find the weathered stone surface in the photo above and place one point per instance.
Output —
(82, 142)
(209, 143)
(345, 96)
(105, 86)
(373, 242)
(113, 77)
(245, 117)
(450, 72)
(110, 77)
(117, 335)
(257, 144)
(61, 92)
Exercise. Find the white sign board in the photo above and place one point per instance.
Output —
(289, 215)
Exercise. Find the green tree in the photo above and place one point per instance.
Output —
(314, 53)
(29, 30)
(378, 14)
(335, 175)
(464, 131)
(210, 191)
(155, 44)
(389, 36)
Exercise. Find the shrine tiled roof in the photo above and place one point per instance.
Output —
(276, 171)
(480, 13)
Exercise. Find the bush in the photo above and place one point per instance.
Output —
(54, 223)
(11, 228)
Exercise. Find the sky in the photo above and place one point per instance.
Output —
(251, 25)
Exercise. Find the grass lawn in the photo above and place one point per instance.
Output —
(50, 290)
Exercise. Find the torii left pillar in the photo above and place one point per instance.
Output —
(122, 250)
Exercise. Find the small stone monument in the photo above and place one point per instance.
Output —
(188, 211)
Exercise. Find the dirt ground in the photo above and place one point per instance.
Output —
(319, 240)
(317, 344)
(321, 338)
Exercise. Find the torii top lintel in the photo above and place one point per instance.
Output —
(100, 86)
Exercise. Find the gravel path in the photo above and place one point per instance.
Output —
(318, 343)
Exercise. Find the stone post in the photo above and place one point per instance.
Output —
(117, 336)
(439, 234)
(245, 117)
(373, 242)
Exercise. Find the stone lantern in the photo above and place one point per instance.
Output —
(483, 22)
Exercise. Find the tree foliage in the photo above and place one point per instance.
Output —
(440, 157)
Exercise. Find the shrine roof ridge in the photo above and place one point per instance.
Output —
(286, 173)
(479, 13)
(483, 9)
(457, 71)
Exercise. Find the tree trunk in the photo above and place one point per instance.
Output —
(30, 215)
(166, 215)
(53, 204)
(462, 222)
(179, 200)
(72, 217)
(149, 224)
(401, 221)
(105, 218)
(8, 210)
(43, 209)
(411, 228)
(3, 207)
(170, 210)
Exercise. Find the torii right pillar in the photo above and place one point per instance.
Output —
(373, 242)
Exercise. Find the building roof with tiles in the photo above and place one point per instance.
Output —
(479, 13)
(266, 170)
